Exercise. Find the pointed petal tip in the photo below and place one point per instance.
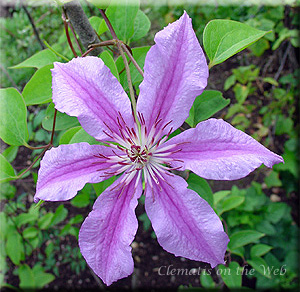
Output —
(107, 233)
(216, 150)
(180, 216)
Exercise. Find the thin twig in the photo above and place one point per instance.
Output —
(32, 164)
(53, 127)
(65, 20)
(132, 97)
(8, 76)
(35, 148)
(41, 147)
(102, 44)
(134, 62)
(108, 23)
(282, 61)
(72, 30)
(87, 52)
(55, 52)
(36, 33)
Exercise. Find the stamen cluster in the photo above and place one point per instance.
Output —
(141, 153)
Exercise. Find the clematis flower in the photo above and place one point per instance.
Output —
(175, 73)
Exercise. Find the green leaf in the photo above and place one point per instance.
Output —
(7, 191)
(27, 277)
(38, 60)
(14, 247)
(273, 180)
(63, 121)
(141, 26)
(139, 54)
(77, 219)
(241, 92)
(45, 221)
(259, 47)
(285, 33)
(83, 136)
(101, 4)
(283, 125)
(271, 81)
(102, 27)
(276, 211)
(98, 24)
(231, 275)
(49, 249)
(34, 242)
(122, 17)
(240, 251)
(59, 215)
(7, 172)
(231, 203)
(30, 232)
(223, 38)
(103, 185)
(259, 250)
(38, 89)
(10, 153)
(218, 196)
(229, 82)
(110, 63)
(206, 280)
(55, 52)
(266, 227)
(244, 237)
(3, 227)
(234, 109)
(13, 117)
(201, 187)
(68, 135)
(25, 218)
(81, 200)
(41, 278)
(206, 105)
(145, 220)
(260, 265)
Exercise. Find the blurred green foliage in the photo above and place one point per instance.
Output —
(263, 234)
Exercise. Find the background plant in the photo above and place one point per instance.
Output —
(35, 249)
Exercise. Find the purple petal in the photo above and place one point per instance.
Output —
(216, 150)
(106, 234)
(66, 169)
(85, 88)
(184, 223)
(175, 73)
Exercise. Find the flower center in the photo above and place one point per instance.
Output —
(139, 155)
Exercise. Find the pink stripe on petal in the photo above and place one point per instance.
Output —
(184, 223)
(85, 88)
(216, 150)
(106, 234)
(175, 73)
(66, 169)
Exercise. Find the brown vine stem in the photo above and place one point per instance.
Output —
(134, 62)
(121, 51)
(36, 33)
(33, 163)
(65, 20)
(64, 14)
(102, 44)
(53, 127)
(111, 29)
(46, 147)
